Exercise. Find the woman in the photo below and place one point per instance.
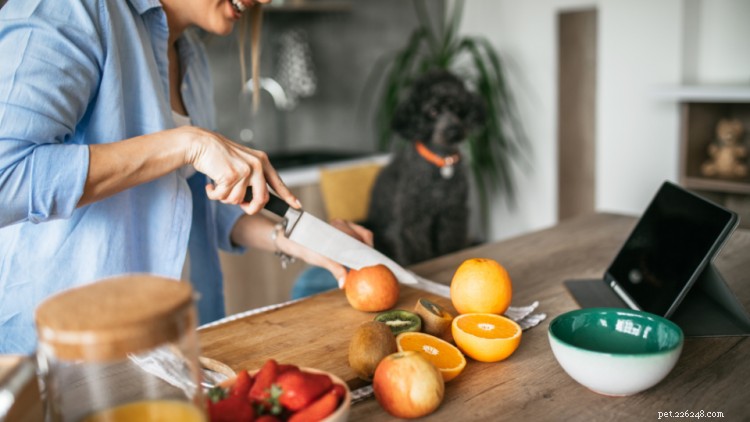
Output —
(96, 162)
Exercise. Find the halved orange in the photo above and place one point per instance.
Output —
(486, 337)
(445, 356)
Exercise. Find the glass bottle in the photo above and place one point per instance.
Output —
(120, 349)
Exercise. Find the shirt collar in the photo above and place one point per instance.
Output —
(142, 6)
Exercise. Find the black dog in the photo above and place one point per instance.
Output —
(418, 208)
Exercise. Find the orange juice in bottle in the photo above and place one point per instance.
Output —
(150, 411)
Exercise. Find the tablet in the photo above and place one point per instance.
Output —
(677, 236)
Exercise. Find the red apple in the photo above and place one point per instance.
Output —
(371, 289)
(407, 385)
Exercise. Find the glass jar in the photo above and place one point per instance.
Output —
(120, 349)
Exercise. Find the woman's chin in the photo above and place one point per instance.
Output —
(224, 30)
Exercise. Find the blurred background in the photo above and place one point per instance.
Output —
(614, 97)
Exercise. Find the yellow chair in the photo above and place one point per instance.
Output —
(346, 190)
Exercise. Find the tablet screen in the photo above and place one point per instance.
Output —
(678, 234)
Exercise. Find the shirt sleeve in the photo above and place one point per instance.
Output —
(226, 217)
(49, 71)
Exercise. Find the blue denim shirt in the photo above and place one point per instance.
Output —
(83, 72)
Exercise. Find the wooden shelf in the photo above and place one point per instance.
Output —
(717, 185)
(706, 93)
(701, 111)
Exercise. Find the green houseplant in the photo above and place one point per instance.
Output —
(496, 145)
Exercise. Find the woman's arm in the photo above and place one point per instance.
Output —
(52, 58)
(121, 165)
(257, 231)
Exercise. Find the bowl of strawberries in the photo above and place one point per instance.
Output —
(280, 392)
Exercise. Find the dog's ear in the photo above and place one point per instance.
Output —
(408, 119)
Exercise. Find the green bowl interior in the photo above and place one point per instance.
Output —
(616, 331)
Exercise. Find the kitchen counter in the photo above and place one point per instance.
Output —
(711, 375)
(309, 174)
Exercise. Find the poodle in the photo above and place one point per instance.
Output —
(418, 209)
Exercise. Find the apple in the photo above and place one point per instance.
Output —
(371, 289)
(407, 385)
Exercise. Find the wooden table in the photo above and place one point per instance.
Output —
(712, 375)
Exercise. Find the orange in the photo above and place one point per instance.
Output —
(486, 337)
(445, 356)
(481, 286)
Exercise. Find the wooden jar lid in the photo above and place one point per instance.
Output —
(108, 319)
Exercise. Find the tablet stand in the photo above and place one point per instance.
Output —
(711, 309)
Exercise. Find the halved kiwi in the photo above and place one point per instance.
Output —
(400, 321)
(436, 320)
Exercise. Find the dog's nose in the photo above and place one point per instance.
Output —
(454, 133)
(449, 128)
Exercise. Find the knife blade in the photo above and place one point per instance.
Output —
(319, 236)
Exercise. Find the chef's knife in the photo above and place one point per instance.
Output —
(319, 236)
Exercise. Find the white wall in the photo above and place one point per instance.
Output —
(716, 48)
(642, 45)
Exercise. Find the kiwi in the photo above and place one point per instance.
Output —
(436, 320)
(371, 342)
(400, 321)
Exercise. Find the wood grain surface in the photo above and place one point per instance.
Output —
(712, 375)
(314, 332)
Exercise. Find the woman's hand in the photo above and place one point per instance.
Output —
(257, 232)
(354, 230)
(233, 168)
(313, 258)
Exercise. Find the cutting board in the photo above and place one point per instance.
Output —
(314, 332)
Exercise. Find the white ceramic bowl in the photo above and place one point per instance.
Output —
(615, 352)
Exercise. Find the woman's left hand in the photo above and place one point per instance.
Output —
(255, 231)
(313, 258)
(354, 230)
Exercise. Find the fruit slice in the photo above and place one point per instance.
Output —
(486, 337)
(445, 356)
(436, 321)
(481, 286)
(400, 321)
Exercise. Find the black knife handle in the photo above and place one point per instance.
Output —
(275, 204)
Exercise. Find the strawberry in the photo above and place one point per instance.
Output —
(299, 389)
(231, 409)
(284, 367)
(242, 384)
(319, 409)
(216, 394)
(267, 374)
(339, 390)
(268, 418)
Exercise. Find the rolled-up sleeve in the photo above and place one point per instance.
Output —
(48, 77)
(226, 218)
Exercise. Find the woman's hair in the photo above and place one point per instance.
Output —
(256, 23)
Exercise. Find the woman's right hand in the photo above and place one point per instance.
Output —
(233, 168)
